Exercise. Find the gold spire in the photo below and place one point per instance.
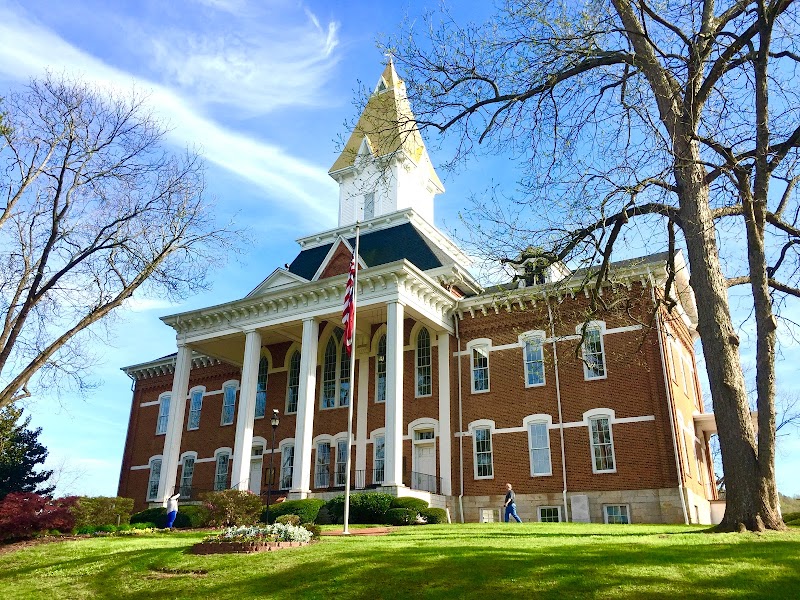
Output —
(388, 125)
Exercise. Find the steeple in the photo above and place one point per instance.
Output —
(384, 165)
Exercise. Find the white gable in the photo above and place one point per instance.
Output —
(278, 278)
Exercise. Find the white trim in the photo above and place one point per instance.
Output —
(331, 251)
(160, 459)
(523, 428)
(191, 453)
(599, 326)
(473, 426)
(627, 510)
(414, 339)
(205, 460)
(161, 397)
(151, 403)
(536, 336)
(140, 467)
(423, 423)
(484, 345)
(539, 513)
(601, 413)
(548, 424)
(235, 385)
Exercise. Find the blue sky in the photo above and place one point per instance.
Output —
(263, 90)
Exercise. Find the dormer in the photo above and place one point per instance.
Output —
(384, 166)
(533, 267)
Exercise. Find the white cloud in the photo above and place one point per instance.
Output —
(29, 50)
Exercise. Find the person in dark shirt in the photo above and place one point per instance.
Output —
(511, 505)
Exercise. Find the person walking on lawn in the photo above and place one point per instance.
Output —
(172, 510)
(511, 505)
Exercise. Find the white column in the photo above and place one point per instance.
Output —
(306, 405)
(361, 416)
(394, 394)
(242, 446)
(445, 436)
(177, 411)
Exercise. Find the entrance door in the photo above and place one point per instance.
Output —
(425, 467)
(255, 476)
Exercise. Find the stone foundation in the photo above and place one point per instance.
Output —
(242, 547)
(646, 506)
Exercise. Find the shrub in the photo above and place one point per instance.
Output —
(307, 510)
(277, 532)
(315, 529)
(324, 516)
(434, 516)
(157, 516)
(791, 516)
(401, 516)
(195, 516)
(288, 520)
(102, 510)
(24, 515)
(232, 507)
(142, 526)
(415, 503)
(366, 508)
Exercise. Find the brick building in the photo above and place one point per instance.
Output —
(457, 390)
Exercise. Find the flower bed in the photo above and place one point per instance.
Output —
(253, 539)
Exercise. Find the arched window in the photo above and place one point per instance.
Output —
(152, 481)
(335, 372)
(163, 415)
(380, 371)
(423, 363)
(195, 407)
(261, 388)
(221, 473)
(228, 404)
(293, 383)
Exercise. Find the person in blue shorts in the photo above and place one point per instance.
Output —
(172, 510)
(510, 504)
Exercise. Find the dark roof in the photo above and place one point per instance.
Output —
(379, 248)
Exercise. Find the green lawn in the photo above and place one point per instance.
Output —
(456, 561)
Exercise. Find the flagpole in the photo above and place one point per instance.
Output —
(346, 530)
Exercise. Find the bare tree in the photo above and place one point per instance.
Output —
(627, 114)
(95, 209)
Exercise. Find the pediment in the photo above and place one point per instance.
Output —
(279, 278)
(337, 261)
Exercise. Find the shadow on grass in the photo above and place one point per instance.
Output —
(443, 563)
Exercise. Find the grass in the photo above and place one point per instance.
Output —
(458, 561)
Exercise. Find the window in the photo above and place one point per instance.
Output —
(228, 404)
(602, 445)
(163, 415)
(480, 369)
(534, 362)
(594, 363)
(261, 388)
(152, 482)
(293, 383)
(195, 406)
(549, 514)
(221, 474)
(539, 440)
(483, 453)
(335, 372)
(379, 464)
(369, 206)
(616, 513)
(341, 462)
(186, 476)
(287, 466)
(424, 387)
(322, 472)
(380, 371)
(424, 434)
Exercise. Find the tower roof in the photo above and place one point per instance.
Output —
(386, 126)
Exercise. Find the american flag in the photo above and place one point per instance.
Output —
(349, 308)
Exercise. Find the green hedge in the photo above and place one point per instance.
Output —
(791, 516)
(197, 515)
(434, 516)
(401, 516)
(414, 503)
(307, 510)
(365, 508)
(101, 510)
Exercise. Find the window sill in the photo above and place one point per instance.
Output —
(479, 477)
(603, 472)
(486, 391)
(585, 378)
(535, 385)
(550, 474)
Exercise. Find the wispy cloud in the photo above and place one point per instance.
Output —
(28, 49)
(257, 59)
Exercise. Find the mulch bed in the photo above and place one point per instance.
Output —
(242, 547)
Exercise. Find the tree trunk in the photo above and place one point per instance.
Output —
(748, 502)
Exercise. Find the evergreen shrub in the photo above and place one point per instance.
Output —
(229, 508)
(307, 510)
(415, 503)
(401, 516)
(102, 510)
(365, 508)
(434, 516)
